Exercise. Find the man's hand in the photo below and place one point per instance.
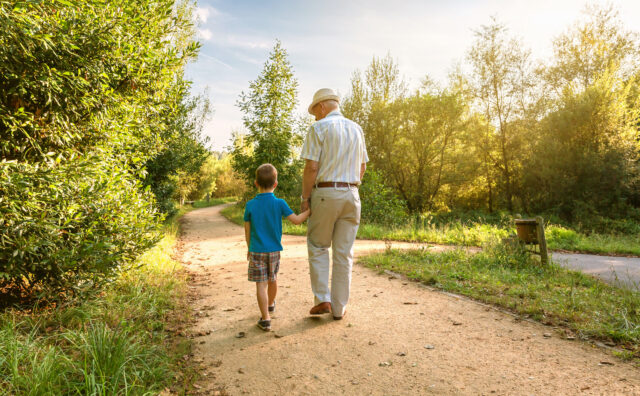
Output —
(304, 206)
(309, 177)
(248, 255)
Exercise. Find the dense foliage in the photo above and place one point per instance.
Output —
(90, 92)
(560, 137)
(173, 174)
(75, 221)
(380, 203)
(217, 178)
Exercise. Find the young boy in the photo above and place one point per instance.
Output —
(263, 233)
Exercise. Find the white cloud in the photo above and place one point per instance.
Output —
(202, 14)
(205, 34)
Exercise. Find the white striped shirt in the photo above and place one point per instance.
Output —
(337, 143)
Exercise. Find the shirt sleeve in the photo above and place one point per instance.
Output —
(247, 213)
(312, 145)
(364, 155)
(285, 209)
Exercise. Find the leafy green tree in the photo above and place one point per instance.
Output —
(410, 138)
(171, 174)
(269, 119)
(500, 65)
(585, 157)
(89, 93)
(381, 85)
(218, 178)
(585, 161)
(414, 138)
(594, 46)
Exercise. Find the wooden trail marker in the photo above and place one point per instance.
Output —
(531, 232)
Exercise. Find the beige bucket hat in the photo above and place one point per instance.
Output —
(323, 94)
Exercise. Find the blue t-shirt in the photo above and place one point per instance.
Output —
(265, 212)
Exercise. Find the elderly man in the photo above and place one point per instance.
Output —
(336, 158)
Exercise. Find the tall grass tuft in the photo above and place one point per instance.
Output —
(115, 361)
(29, 363)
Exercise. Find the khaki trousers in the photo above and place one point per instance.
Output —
(334, 221)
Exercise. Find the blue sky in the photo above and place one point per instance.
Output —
(327, 40)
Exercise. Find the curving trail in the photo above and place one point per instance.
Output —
(398, 338)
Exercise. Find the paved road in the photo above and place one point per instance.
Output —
(619, 271)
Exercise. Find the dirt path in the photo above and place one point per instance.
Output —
(398, 338)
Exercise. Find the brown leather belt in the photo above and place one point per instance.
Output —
(335, 184)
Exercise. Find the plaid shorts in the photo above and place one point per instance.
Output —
(263, 267)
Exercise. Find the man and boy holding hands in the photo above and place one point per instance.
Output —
(335, 161)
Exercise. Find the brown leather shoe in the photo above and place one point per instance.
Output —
(322, 308)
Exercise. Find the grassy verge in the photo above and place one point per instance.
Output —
(213, 202)
(508, 277)
(112, 343)
(478, 234)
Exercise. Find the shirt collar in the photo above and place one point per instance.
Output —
(333, 113)
(266, 194)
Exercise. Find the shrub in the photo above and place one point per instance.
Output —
(380, 204)
(70, 225)
(561, 236)
(469, 217)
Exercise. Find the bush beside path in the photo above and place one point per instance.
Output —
(398, 337)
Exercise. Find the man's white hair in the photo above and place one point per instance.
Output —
(331, 103)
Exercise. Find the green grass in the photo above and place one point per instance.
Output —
(508, 277)
(475, 233)
(559, 237)
(114, 343)
(213, 202)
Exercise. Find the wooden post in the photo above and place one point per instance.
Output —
(542, 242)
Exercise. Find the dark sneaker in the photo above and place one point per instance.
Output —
(264, 325)
(272, 308)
